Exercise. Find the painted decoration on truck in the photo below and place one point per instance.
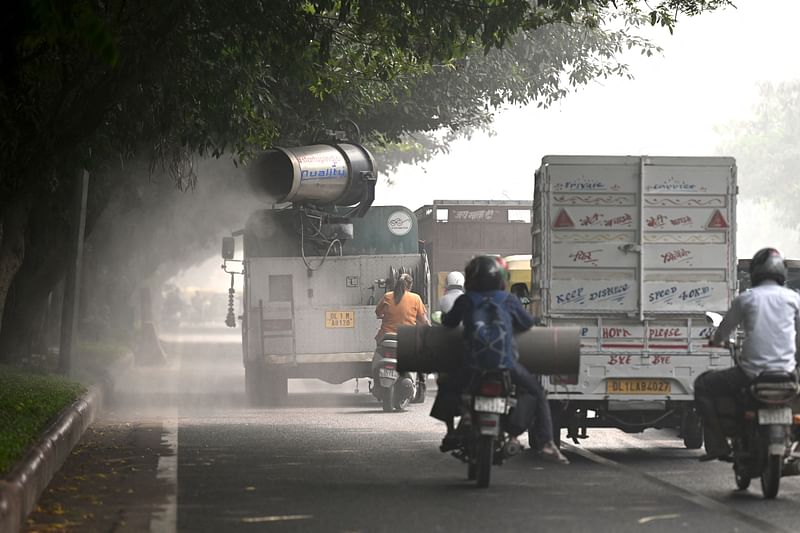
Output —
(684, 255)
(591, 255)
(592, 295)
(591, 218)
(686, 180)
(594, 199)
(691, 238)
(685, 201)
(685, 296)
(593, 236)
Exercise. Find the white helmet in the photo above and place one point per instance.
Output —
(454, 280)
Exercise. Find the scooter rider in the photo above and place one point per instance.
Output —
(454, 287)
(770, 315)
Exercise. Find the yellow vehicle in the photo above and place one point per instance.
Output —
(519, 267)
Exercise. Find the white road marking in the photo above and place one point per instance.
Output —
(647, 519)
(165, 519)
(276, 518)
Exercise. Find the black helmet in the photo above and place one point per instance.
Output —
(767, 264)
(486, 273)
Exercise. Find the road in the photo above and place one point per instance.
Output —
(178, 450)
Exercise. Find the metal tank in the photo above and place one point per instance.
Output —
(319, 174)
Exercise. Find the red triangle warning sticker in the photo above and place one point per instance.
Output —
(717, 221)
(563, 220)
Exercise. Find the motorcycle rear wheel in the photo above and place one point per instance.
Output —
(388, 400)
(485, 458)
(771, 476)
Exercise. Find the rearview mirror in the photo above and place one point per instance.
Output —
(228, 247)
(713, 318)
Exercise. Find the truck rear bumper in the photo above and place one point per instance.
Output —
(317, 358)
(332, 368)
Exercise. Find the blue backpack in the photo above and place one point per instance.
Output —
(490, 333)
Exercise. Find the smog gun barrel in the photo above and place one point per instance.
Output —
(322, 175)
(547, 351)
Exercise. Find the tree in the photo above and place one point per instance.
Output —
(767, 148)
(98, 85)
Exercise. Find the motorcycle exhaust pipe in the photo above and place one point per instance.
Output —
(437, 349)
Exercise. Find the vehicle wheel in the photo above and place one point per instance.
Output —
(741, 476)
(419, 397)
(692, 430)
(401, 405)
(277, 388)
(771, 476)
(388, 399)
(254, 386)
(485, 458)
(472, 471)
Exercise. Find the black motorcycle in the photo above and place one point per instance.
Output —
(482, 431)
(761, 428)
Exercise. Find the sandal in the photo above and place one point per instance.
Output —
(551, 453)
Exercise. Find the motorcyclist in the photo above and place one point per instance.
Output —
(770, 316)
(488, 276)
(454, 287)
(400, 307)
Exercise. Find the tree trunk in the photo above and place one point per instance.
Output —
(13, 222)
(43, 266)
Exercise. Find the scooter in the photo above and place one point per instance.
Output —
(393, 389)
(761, 428)
(484, 440)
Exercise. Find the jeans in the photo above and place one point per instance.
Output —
(541, 429)
(707, 387)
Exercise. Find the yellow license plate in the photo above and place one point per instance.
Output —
(638, 386)
(340, 319)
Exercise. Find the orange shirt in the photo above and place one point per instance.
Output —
(408, 312)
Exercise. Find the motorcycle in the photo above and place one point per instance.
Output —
(483, 437)
(395, 390)
(761, 428)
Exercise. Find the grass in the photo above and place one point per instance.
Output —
(28, 403)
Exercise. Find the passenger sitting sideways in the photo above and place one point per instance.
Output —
(486, 278)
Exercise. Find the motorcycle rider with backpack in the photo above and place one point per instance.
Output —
(491, 316)
(770, 315)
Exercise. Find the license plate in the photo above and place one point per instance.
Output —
(340, 319)
(483, 404)
(776, 415)
(387, 373)
(638, 386)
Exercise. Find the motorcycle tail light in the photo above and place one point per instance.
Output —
(389, 354)
(390, 365)
(491, 388)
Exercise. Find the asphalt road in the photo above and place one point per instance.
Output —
(179, 451)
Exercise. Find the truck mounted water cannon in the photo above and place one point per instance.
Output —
(310, 265)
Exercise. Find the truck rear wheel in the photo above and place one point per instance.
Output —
(254, 384)
(265, 387)
(692, 430)
(277, 385)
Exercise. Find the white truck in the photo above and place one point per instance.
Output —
(634, 251)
